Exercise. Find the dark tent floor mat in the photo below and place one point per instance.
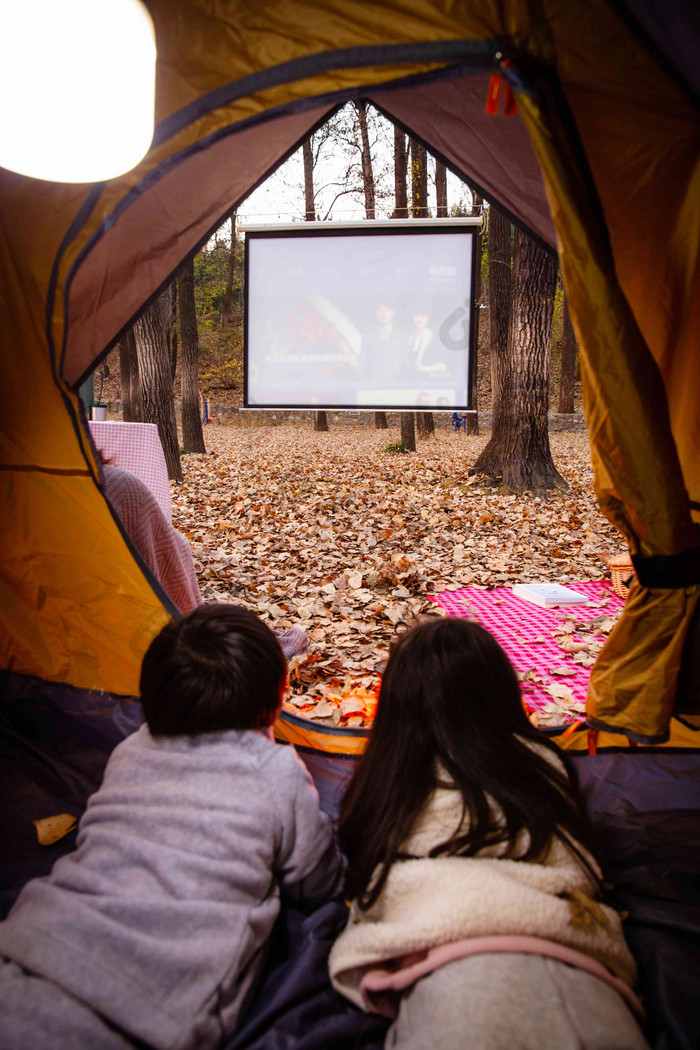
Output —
(55, 741)
(296, 1007)
(646, 806)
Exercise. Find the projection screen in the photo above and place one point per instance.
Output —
(360, 315)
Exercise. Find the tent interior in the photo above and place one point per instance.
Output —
(601, 162)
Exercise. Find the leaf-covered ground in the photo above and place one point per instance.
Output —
(333, 533)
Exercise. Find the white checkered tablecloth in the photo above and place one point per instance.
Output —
(136, 447)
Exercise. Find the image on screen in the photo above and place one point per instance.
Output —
(355, 319)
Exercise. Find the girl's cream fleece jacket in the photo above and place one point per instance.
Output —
(428, 901)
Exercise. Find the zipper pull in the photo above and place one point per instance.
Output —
(509, 106)
(498, 86)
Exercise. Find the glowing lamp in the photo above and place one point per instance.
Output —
(77, 87)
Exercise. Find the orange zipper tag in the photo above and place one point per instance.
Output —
(493, 98)
(497, 86)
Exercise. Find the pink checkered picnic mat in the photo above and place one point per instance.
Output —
(136, 447)
(516, 623)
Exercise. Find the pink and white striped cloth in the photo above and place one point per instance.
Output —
(136, 447)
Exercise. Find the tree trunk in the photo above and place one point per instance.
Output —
(400, 175)
(408, 431)
(367, 173)
(380, 422)
(157, 380)
(441, 189)
(132, 407)
(472, 426)
(192, 436)
(408, 425)
(228, 293)
(309, 203)
(419, 210)
(500, 292)
(419, 181)
(520, 434)
(172, 329)
(425, 424)
(567, 377)
(320, 418)
(500, 281)
(473, 418)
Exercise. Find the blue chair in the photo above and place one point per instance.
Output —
(459, 422)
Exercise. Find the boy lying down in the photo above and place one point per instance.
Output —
(155, 929)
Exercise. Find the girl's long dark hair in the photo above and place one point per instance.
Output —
(450, 698)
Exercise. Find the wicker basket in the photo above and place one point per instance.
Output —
(622, 573)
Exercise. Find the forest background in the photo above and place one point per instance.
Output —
(358, 165)
(331, 529)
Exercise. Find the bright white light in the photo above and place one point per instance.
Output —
(77, 87)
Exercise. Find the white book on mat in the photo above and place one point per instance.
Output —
(549, 594)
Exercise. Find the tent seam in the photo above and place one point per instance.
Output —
(174, 160)
(322, 62)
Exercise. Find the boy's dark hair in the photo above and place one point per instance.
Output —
(218, 668)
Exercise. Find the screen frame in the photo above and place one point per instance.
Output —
(470, 226)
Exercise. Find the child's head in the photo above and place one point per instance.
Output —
(450, 677)
(218, 668)
(450, 707)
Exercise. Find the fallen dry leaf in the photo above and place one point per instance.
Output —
(332, 533)
(52, 829)
(561, 692)
(570, 646)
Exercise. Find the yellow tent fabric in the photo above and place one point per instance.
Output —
(302, 732)
(238, 86)
(643, 471)
(594, 741)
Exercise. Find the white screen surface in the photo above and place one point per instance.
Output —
(357, 319)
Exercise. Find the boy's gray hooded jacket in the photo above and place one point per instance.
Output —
(160, 919)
